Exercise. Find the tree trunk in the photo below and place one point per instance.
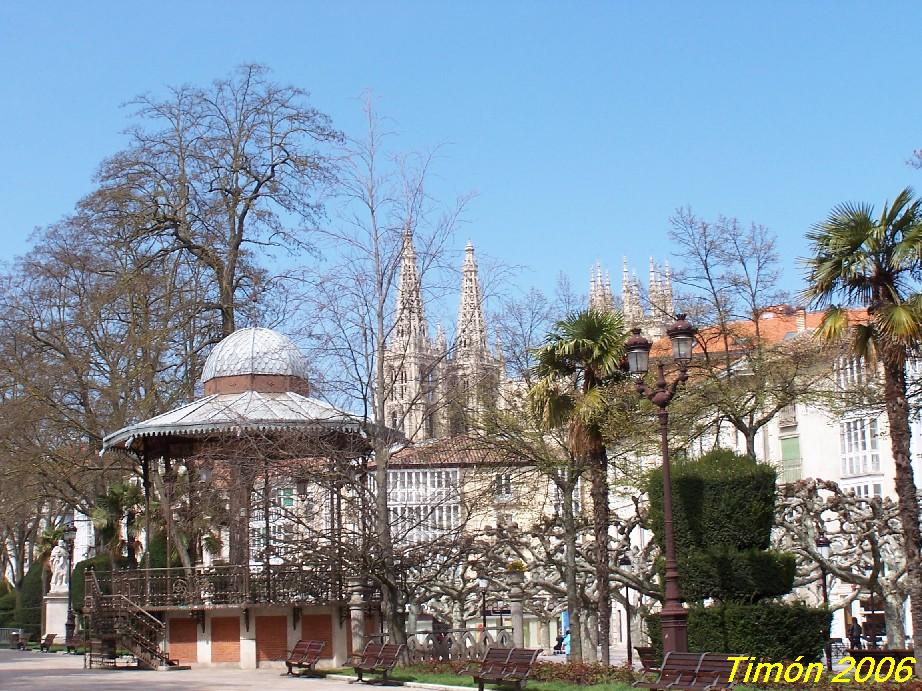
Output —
(600, 521)
(898, 418)
(590, 641)
(574, 603)
(893, 612)
(390, 593)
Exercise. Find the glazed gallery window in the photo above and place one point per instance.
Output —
(424, 504)
(859, 445)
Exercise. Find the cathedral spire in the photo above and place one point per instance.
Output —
(410, 327)
(471, 334)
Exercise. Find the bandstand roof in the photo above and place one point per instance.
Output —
(235, 413)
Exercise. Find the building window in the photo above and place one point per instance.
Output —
(286, 497)
(787, 416)
(791, 465)
(424, 504)
(851, 372)
(502, 486)
(878, 490)
(577, 493)
(859, 445)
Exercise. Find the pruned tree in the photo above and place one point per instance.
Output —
(865, 545)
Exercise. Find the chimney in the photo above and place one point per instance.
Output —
(801, 319)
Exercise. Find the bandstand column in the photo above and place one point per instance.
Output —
(516, 597)
(357, 613)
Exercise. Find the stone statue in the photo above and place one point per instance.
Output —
(59, 559)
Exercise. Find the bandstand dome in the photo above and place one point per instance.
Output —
(256, 380)
(255, 350)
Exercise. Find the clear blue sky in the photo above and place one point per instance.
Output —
(581, 126)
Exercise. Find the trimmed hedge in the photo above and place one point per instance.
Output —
(100, 562)
(720, 499)
(27, 614)
(722, 574)
(765, 629)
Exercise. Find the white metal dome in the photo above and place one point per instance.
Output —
(255, 351)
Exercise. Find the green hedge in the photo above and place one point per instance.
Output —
(766, 629)
(722, 573)
(7, 608)
(720, 499)
(27, 614)
(100, 562)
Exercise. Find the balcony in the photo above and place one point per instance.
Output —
(225, 586)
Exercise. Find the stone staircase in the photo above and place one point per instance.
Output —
(115, 621)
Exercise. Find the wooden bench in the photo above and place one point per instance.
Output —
(714, 672)
(693, 672)
(305, 655)
(677, 671)
(648, 658)
(45, 645)
(381, 663)
(492, 664)
(514, 671)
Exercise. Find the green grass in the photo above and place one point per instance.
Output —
(405, 674)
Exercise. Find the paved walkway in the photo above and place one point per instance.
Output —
(52, 672)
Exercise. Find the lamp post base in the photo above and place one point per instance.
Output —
(674, 627)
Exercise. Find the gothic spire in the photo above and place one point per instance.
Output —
(410, 327)
(472, 335)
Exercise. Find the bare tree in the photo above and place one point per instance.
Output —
(384, 202)
(744, 377)
(225, 174)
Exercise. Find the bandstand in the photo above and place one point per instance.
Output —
(255, 428)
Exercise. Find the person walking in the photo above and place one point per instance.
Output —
(854, 634)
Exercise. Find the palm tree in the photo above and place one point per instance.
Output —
(876, 263)
(122, 500)
(579, 358)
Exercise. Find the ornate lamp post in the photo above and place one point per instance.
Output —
(70, 533)
(674, 616)
(483, 584)
(822, 546)
(626, 563)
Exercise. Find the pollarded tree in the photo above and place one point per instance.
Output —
(866, 544)
(581, 356)
(876, 261)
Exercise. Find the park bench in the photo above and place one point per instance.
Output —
(714, 672)
(305, 655)
(378, 659)
(693, 672)
(494, 660)
(514, 671)
(45, 645)
(648, 658)
(677, 671)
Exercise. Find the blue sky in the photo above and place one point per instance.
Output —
(580, 126)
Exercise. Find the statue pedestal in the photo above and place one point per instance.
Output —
(55, 606)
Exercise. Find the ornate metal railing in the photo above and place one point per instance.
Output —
(227, 585)
(456, 644)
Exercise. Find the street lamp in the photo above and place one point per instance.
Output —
(70, 534)
(673, 616)
(626, 562)
(483, 583)
(822, 546)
